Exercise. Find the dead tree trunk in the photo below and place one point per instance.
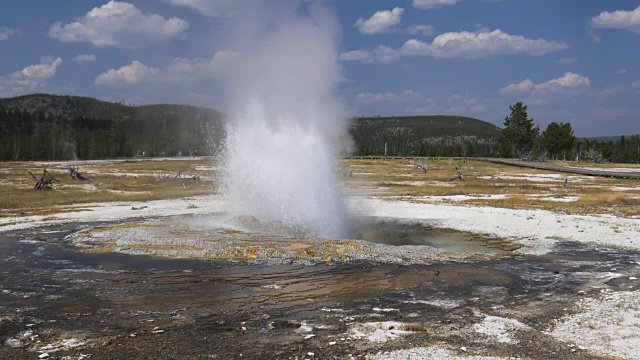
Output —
(45, 182)
(179, 174)
(75, 175)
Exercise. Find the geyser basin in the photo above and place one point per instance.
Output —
(398, 233)
(388, 232)
(247, 240)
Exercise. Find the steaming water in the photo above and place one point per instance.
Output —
(286, 123)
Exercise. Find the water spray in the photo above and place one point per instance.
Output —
(286, 123)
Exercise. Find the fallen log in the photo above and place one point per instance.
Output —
(178, 175)
(457, 177)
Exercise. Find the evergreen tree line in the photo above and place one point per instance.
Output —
(448, 147)
(435, 135)
(625, 150)
(49, 127)
(522, 138)
(146, 131)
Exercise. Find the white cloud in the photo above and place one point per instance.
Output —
(468, 45)
(414, 103)
(458, 104)
(381, 22)
(620, 19)
(181, 70)
(462, 104)
(569, 80)
(135, 73)
(538, 93)
(431, 4)
(571, 60)
(30, 78)
(386, 55)
(46, 69)
(423, 30)
(621, 71)
(82, 58)
(370, 98)
(6, 33)
(364, 56)
(612, 92)
(213, 8)
(178, 71)
(471, 45)
(381, 54)
(119, 24)
(636, 84)
(522, 87)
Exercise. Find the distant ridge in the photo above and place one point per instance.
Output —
(433, 135)
(613, 139)
(44, 126)
(70, 106)
(53, 127)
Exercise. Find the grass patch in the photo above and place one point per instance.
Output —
(522, 188)
(120, 181)
(137, 180)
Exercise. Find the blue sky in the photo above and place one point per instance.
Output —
(569, 60)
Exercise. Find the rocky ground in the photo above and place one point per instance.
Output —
(66, 296)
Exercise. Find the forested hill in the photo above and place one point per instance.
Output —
(436, 135)
(50, 127)
(607, 139)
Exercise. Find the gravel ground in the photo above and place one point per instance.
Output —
(609, 324)
(429, 353)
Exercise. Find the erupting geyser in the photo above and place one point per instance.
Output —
(286, 125)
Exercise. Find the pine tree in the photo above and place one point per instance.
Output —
(422, 149)
(558, 139)
(519, 131)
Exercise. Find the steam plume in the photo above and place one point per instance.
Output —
(286, 122)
